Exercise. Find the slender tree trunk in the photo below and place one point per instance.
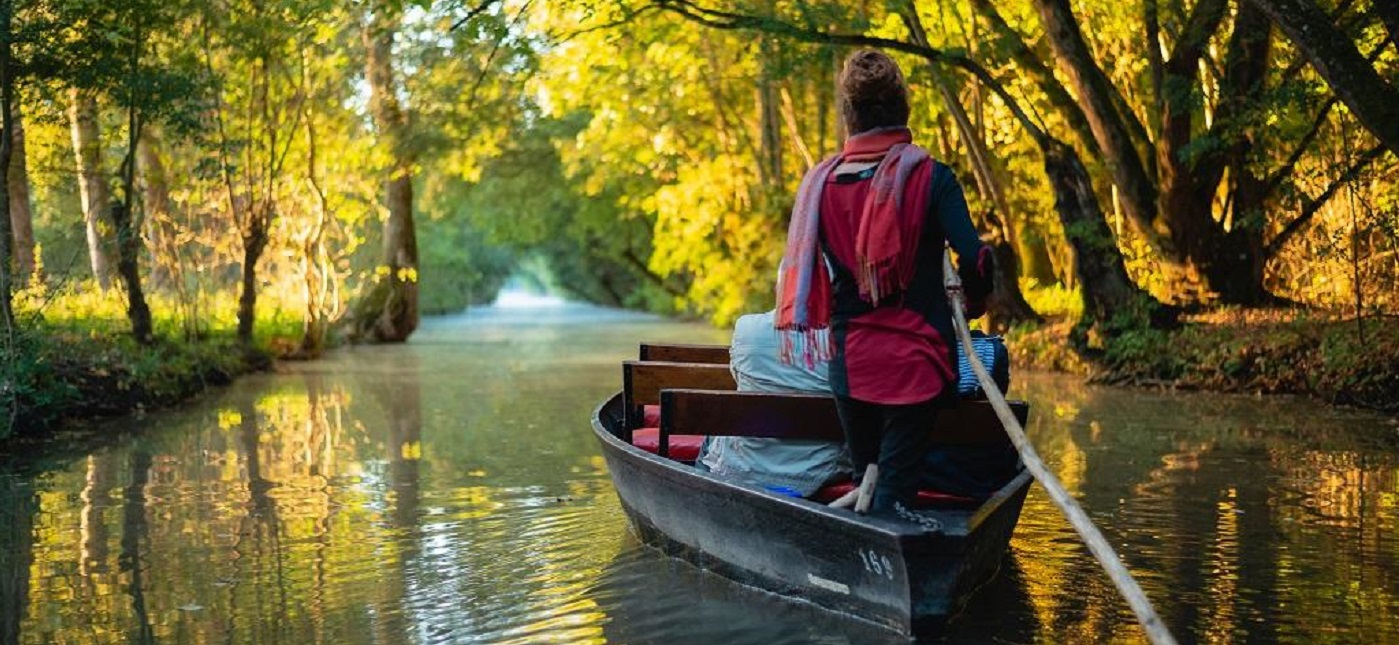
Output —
(315, 268)
(21, 216)
(129, 242)
(389, 312)
(7, 124)
(255, 238)
(1336, 58)
(1007, 305)
(155, 184)
(255, 230)
(92, 184)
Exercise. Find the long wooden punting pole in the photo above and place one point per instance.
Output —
(1126, 584)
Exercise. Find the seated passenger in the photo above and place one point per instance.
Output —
(802, 467)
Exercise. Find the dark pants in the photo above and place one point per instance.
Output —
(897, 437)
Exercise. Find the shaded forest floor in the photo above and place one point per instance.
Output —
(1271, 351)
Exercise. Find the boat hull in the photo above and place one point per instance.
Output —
(893, 574)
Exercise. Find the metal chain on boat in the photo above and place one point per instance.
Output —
(1097, 544)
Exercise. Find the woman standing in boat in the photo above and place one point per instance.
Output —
(861, 283)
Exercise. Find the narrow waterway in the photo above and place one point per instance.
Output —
(450, 490)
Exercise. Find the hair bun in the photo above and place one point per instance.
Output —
(872, 77)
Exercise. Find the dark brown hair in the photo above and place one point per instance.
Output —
(872, 92)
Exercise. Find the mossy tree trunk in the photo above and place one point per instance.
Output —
(389, 312)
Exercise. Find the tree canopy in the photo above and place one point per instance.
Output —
(356, 162)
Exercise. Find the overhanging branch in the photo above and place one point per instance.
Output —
(719, 19)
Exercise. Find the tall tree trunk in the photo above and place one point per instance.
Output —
(1234, 261)
(1106, 289)
(92, 183)
(1337, 59)
(389, 312)
(1137, 190)
(256, 228)
(7, 124)
(21, 216)
(315, 262)
(1188, 185)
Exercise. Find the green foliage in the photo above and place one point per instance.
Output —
(1053, 300)
(458, 267)
(618, 153)
(74, 356)
(1341, 361)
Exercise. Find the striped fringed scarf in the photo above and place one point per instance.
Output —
(885, 266)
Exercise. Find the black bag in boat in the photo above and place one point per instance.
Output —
(974, 471)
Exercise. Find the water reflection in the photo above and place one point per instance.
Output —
(448, 491)
(18, 507)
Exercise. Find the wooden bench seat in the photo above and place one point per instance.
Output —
(682, 353)
(692, 413)
(642, 384)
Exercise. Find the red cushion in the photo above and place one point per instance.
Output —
(925, 497)
(650, 416)
(683, 447)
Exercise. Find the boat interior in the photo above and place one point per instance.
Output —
(676, 395)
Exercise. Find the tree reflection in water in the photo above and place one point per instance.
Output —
(449, 490)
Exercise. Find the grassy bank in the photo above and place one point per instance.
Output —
(1336, 360)
(73, 357)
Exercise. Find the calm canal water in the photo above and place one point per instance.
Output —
(450, 490)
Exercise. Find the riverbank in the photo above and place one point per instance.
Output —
(80, 368)
(73, 356)
(64, 376)
(1269, 351)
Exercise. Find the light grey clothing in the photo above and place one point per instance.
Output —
(800, 465)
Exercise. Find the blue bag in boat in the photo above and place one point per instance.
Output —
(994, 355)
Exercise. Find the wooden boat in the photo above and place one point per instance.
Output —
(895, 574)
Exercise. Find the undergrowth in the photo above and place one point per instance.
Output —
(73, 355)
